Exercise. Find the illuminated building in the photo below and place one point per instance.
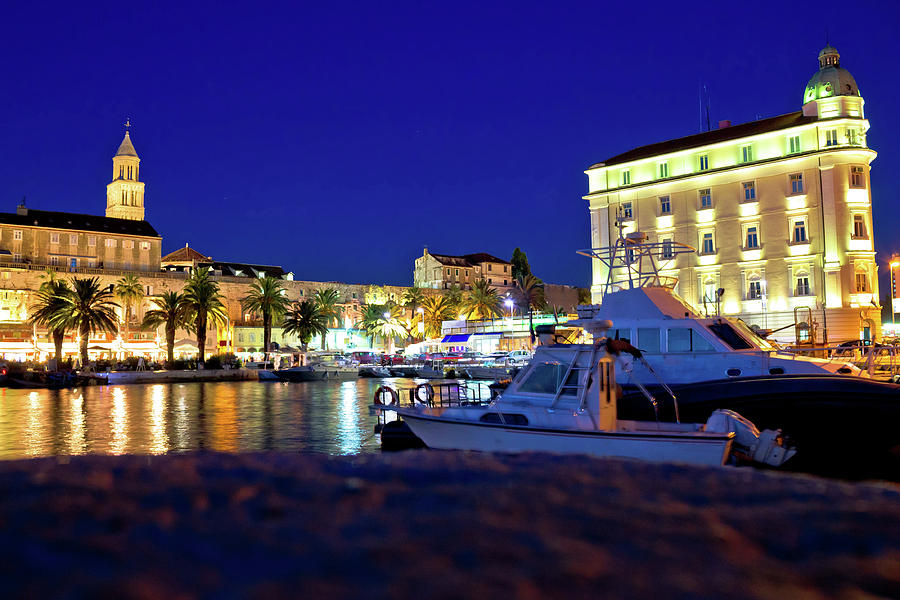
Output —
(441, 271)
(778, 209)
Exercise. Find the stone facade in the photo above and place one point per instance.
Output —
(442, 271)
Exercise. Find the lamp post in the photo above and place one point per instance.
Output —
(895, 262)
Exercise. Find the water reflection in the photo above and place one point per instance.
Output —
(248, 416)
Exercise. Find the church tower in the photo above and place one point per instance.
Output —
(125, 194)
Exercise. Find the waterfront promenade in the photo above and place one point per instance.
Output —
(428, 524)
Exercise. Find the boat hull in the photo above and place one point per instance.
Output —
(441, 433)
(844, 426)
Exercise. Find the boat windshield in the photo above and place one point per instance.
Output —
(546, 378)
(730, 336)
(751, 335)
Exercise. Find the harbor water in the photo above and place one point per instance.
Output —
(240, 416)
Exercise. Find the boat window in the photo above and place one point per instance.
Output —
(544, 378)
(687, 340)
(620, 334)
(507, 418)
(727, 334)
(648, 339)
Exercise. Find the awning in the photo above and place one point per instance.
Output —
(488, 334)
(456, 338)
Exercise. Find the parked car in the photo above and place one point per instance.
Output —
(518, 357)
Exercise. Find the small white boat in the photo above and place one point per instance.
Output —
(565, 401)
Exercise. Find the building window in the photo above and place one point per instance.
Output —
(796, 183)
(17, 257)
(706, 198)
(505, 282)
(626, 177)
(862, 283)
(627, 213)
(859, 227)
(703, 162)
(754, 290)
(749, 191)
(121, 172)
(490, 280)
(126, 265)
(665, 206)
(853, 137)
(145, 245)
(794, 143)
(752, 238)
(448, 272)
(800, 232)
(663, 170)
(457, 272)
(489, 267)
(831, 137)
(17, 234)
(73, 239)
(707, 246)
(857, 178)
(54, 238)
(110, 243)
(504, 268)
(128, 244)
(354, 295)
(92, 240)
(149, 290)
(668, 251)
(54, 260)
(467, 273)
(803, 285)
(746, 154)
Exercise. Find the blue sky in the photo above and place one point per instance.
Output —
(338, 139)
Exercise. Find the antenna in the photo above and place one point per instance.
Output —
(704, 108)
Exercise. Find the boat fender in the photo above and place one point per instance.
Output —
(395, 399)
(429, 393)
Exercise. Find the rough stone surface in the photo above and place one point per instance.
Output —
(437, 525)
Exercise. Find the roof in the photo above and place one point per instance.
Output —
(232, 269)
(710, 137)
(64, 220)
(467, 260)
(185, 254)
(126, 148)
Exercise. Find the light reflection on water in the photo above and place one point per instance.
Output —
(327, 417)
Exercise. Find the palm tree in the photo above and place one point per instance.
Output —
(266, 296)
(368, 322)
(202, 304)
(482, 301)
(412, 298)
(529, 290)
(437, 310)
(454, 297)
(49, 312)
(169, 311)
(128, 290)
(390, 326)
(305, 321)
(326, 301)
(89, 308)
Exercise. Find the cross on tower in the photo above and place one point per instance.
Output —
(127, 123)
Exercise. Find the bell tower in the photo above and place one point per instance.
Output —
(125, 194)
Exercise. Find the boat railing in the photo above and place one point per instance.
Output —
(878, 360)
(438, 395)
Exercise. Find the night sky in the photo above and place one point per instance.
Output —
(338, 139)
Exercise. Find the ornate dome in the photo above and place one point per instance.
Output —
(830, 79)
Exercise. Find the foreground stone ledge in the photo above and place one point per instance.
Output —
(431, 524)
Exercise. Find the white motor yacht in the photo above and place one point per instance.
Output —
(565, 401)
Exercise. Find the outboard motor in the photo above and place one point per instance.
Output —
(768, 447)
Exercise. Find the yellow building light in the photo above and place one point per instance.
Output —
(749, 209)
(706, 215)
(858, 196)
(798, 249)
(664, 222)
(797, 202)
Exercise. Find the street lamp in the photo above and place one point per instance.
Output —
(895, 262)
(509, 304)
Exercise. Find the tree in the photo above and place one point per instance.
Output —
(202, 304)
(520, 266)
(454, 298)
(128, 290)
(482, 301)
(169, 311)
(305, 321)
(327, 303)
(389, 326)
(49, 311)
(89, 308)
(437, 310)
(412, 298)
(584, 296)
(369, 319)
(266, 296)
(529, 291)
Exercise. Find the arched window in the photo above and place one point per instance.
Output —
(755, 285)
